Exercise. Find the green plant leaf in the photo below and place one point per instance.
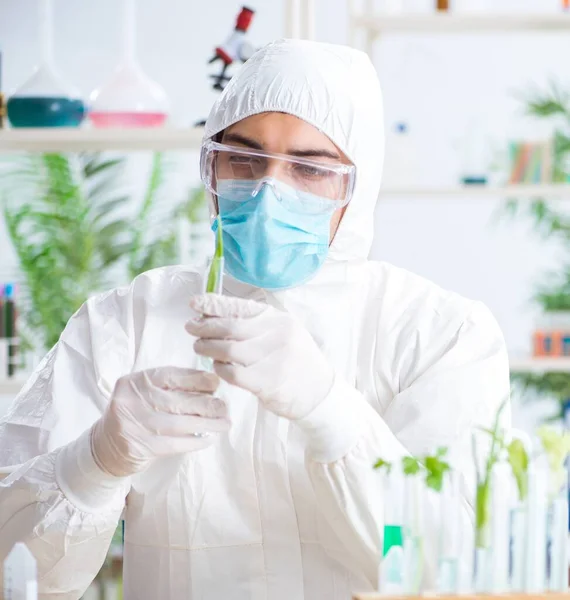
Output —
(556, 445)
(383, 464)
(216, 267)
(410, 465)
(518, 460)
(482, 514)
(436, 469)
(484, 480)
(73, 232)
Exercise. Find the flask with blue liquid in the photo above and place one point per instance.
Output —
(45, 99)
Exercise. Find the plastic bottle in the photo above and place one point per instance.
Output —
(400, 167)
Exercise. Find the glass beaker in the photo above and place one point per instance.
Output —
(130, 98)
(45, 99)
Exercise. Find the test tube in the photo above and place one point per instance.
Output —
(558, 537)
(391, 572)
(501, 493)
(535, 564)
(450, 544)
(212, 282)
(414, 499)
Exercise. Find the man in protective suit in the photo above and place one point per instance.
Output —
(255, 481)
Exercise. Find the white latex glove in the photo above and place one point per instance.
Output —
(262, 350)
(154, 413)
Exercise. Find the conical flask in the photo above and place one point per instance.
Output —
(130, 98)
(45, 99)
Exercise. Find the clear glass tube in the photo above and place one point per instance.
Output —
(535, 566)
(391, 572)
(501, 493)
(414, 500)
(558, 538)
(212, 264)
(450, 546)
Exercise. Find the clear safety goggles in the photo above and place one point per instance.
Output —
(329, 185)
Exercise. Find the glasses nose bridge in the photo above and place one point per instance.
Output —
(266, 180)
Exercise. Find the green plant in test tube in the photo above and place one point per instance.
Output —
(518, 460)
(214, 283)
(433, 467)
(483, 489)
(556, 446)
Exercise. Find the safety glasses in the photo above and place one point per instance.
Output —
(235, 169)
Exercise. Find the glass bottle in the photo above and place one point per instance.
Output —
(130, 98)
(45, 99)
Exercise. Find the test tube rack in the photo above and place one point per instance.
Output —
(541, 596)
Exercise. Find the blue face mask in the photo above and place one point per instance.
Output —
(274, 236)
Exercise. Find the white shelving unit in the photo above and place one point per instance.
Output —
(540, 365)
(450, 22)
(63, 139)
(375, 24)
(523, 191)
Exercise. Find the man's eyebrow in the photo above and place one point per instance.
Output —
(314, 153)
(238, 138)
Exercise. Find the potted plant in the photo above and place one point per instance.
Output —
(553, 294)
(75, 232)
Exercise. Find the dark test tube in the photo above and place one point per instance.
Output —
(10, 326)
(2, 312)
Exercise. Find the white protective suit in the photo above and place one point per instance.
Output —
(256, 516)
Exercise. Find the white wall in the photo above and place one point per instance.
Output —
(437, 84)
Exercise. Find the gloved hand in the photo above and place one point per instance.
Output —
(153, 413)
(263, 350)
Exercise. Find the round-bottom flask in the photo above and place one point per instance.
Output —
(45, 100)
(129, 99)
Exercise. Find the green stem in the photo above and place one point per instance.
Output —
(216, 268)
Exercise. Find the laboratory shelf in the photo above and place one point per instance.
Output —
(63, 139)
(519, 191)
(540, 365)
(461, 23)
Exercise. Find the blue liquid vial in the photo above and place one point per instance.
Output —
(45, 111)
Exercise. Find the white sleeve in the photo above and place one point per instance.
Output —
(463, 388)
(53, 497)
